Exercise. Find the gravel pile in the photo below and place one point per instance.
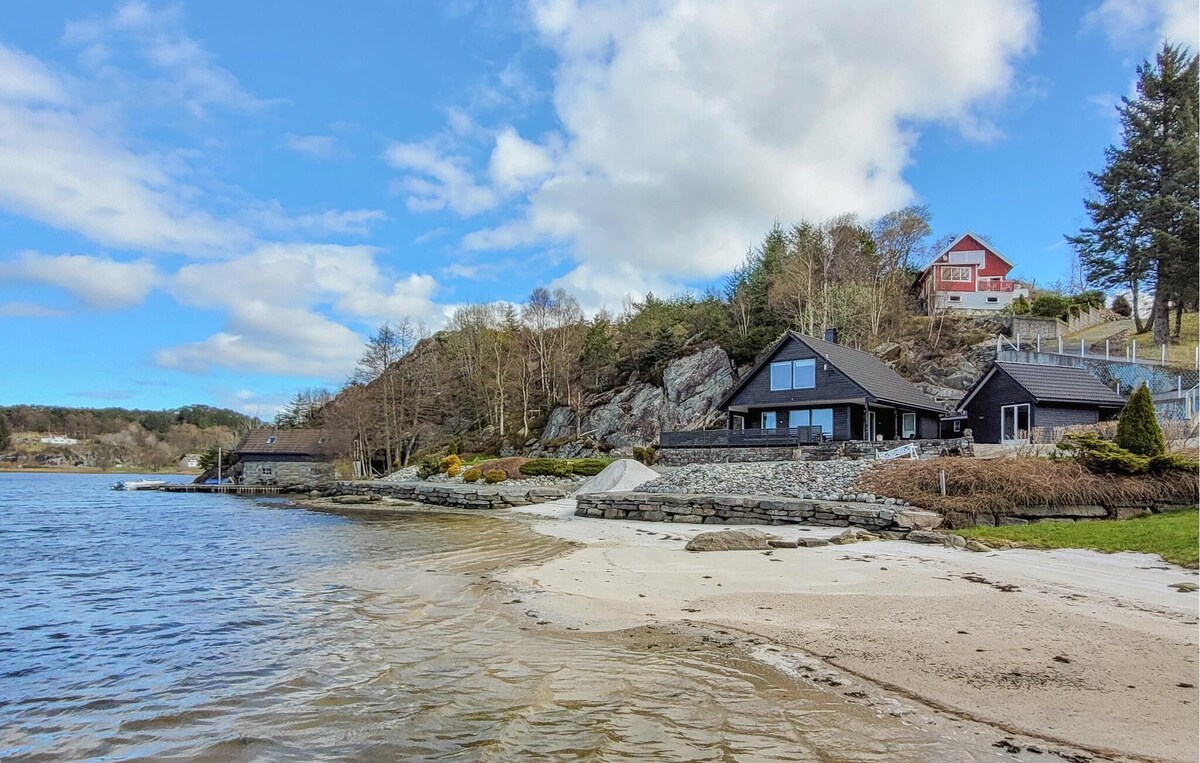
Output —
(814, 480)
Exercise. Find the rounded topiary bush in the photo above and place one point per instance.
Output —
(474, 474)
(454, 470)
(449, 462)
(1137, 428)
(493, 476)
(588, 467)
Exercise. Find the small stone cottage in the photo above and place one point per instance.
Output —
(289, 456)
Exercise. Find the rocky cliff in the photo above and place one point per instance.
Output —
(633, 415)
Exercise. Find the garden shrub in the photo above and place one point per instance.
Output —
(448, 463)
(473, 474)
(648, 456)
(588, 467)
(428, 467)
(1137, 426)
(493, 476)
(1174, 462)
(454, 470)
(1102, 456)
(546, 467)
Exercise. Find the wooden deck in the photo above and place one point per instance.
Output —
(188, 487)
(741, 438)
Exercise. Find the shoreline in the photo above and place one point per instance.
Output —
(861, 621)
(88, 470)
(1073, 648)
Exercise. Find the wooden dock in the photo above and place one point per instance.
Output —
(187, 487)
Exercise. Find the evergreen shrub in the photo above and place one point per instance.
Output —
(493, 476)
(427, 467)
(474, 474)
(449, 462)
(1137, 426)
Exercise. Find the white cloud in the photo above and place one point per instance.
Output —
(320, 146)
(1144, 24)
(436, 181)
(516, 162)
(28, 310)
(188, 74)
(689, 127)
(98, 282)
(356, 222)
(277, 298)
(60, 165)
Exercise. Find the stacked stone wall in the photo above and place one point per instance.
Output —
(456, 496)
(853, 449)
(732, 509)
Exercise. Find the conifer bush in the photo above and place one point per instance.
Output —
(1137, 427)
(448, 463)
(428, 467)
(474, 474)
(493, 476)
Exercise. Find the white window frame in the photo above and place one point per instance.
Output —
(952, 273)
(908, 432)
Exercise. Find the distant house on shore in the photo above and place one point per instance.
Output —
(806, 389)
(189, 461)
(289, 456)
(58, 439)
(970, 275)
(1011, 399)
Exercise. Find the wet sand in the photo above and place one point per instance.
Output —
(1074, 648)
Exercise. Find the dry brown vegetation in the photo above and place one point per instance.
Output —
(510, 466)
(975, 486)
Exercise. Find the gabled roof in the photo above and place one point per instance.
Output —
(982, 242)
(293, 442)
(864, 369)
(1051, 384)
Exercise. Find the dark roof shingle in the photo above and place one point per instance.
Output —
(294, 442)
(1061, 384)
(872, 374)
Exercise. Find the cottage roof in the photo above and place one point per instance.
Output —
(293, 442)
(1052, 384)
(867, 371)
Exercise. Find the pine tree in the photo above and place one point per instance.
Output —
(1137, 429)
(1145, 229)
(5, 432)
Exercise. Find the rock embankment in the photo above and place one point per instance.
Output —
(806, 480)
(457, 496)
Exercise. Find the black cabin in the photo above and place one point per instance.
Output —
(1010, 399)
(818, 386)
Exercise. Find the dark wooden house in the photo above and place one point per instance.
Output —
(1011, 399)
(808, 390)
(289, 456)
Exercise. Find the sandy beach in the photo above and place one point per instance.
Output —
(1074, 648)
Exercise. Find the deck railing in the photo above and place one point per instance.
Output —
(995, 285)
(742, 438)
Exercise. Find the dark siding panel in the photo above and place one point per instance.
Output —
(928, 426)
(841, 422)
(1064, 415)
(831, 384)
(983, 412)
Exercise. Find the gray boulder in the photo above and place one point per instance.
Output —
(925, 536)
(730, 540)
(918, 520)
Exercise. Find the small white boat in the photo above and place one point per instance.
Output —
(139, 484)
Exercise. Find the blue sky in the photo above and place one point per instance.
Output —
(216, 201)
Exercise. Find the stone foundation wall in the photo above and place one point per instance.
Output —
(732, 509)
(456, 496)
(286, 472)
(853, 449)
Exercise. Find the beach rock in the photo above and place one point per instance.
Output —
(925, 536)
(730, 540)
(1186, 587)
(354, 499)
(782, 543)
(974, 545)
(811, 542)
(954, 541)
(918, 520)
(852, 535)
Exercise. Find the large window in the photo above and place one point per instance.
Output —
(769, 420)
(955, 273)
(793, 374)
(818, 417)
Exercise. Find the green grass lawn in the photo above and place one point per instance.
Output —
(1174, 535)
(1183, 353)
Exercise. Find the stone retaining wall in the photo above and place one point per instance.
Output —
(454, 495)
(732, 509)
(852, 449)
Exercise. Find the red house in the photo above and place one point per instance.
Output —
(970, 274)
